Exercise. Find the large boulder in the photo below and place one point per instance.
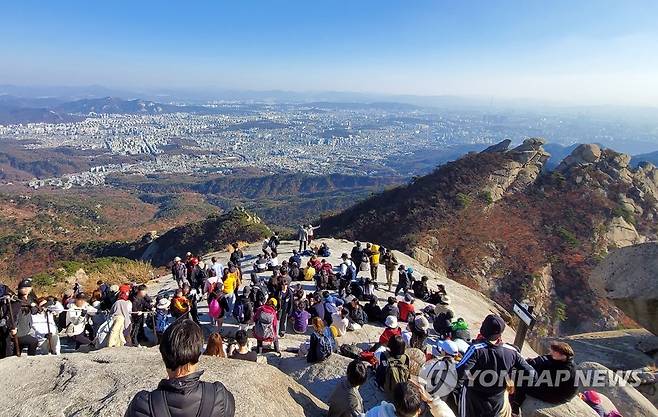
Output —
(533, 407)
(627, 276)
(629, 401)
(102, 384)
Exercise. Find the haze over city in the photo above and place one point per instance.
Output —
(586, 52)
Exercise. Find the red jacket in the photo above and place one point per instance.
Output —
(406, 309)
(388, 333)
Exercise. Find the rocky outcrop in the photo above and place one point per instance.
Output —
(533, 407)
(526, 162)
(621, 233)
(502, 146)
(627, 276)
(103, 383)
(626, 399)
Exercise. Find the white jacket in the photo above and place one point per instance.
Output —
(76, 320)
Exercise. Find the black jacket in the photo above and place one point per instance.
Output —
(564, 390)
(183, 397)
(483, 358)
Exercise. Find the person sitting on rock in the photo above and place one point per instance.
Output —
(260, 265)
(392, 330)
(300, 317)
(322, 343)
(443, 324)
(358, 317)
(407, 402)
(393, 366)
(346, 401)
(416, 334)
(558, 373)
(182, 394)
(390, 309)
(406, 308)
(215, 346)
(240, 350)
(324, 250)
(420, 288)
(594, 400)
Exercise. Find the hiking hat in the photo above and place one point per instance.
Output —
(492, 325)
(391, 322)
(592, 397)
(273, 301)
(163, 304)
(409, 298)
(96, 304)
(422, 323)
(177, 259)
(26, 283)
(114, 288)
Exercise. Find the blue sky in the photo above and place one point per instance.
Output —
(570, 51)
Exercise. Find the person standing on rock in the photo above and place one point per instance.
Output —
(485, 396)
(179, 272)
(302, 236)
(346, 400)
(404, 279)
(390, 264)
(373, 257)
(236, 256)
(182, 394)
(310, 233)
(359, 257)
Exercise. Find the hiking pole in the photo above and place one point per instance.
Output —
(49, 336)
(155, 332)
(17, 344)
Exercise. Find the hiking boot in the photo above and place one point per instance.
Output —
(282, 335)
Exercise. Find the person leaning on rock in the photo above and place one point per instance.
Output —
(182, 394)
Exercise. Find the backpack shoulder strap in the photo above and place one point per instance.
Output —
(207, 406)
(158, 404)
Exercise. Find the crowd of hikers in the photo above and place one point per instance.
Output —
(411, 362)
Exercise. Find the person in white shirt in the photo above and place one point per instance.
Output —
(43, 325)
(340, 321)
(77, 320)
(217, 267)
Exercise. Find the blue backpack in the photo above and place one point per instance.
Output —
(161, 321)
(238, 312)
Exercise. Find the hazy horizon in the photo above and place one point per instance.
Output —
(590, 53)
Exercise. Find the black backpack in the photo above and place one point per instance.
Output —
(158, 402)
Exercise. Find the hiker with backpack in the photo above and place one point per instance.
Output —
(258, 291)
(140, 309)
(236, 255)
(214, 281)
(321, 344)
(193, 299)
(393, 366)
(217, 309)
(199, 277)
(180, 305)
(417, 332)
(182, 394)
(347, 274)
(162, 317)
(243, 310)
(77, 322)
(346, 401)
(285, 298)
(266, 326)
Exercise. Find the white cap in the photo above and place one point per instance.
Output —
(177, 259)
(164, 303)
(445, 347)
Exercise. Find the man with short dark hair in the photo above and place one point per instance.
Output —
(488, 358)
(182, 394)
(141, 305)
(346, 400)
(242, 351)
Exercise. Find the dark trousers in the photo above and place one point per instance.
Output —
(259, 345)
(302, 243)
(403, 287)
(30, 342)
(137, 332)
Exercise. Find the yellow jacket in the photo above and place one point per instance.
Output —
(374, 259)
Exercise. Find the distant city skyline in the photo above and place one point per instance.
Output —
(586, 52)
